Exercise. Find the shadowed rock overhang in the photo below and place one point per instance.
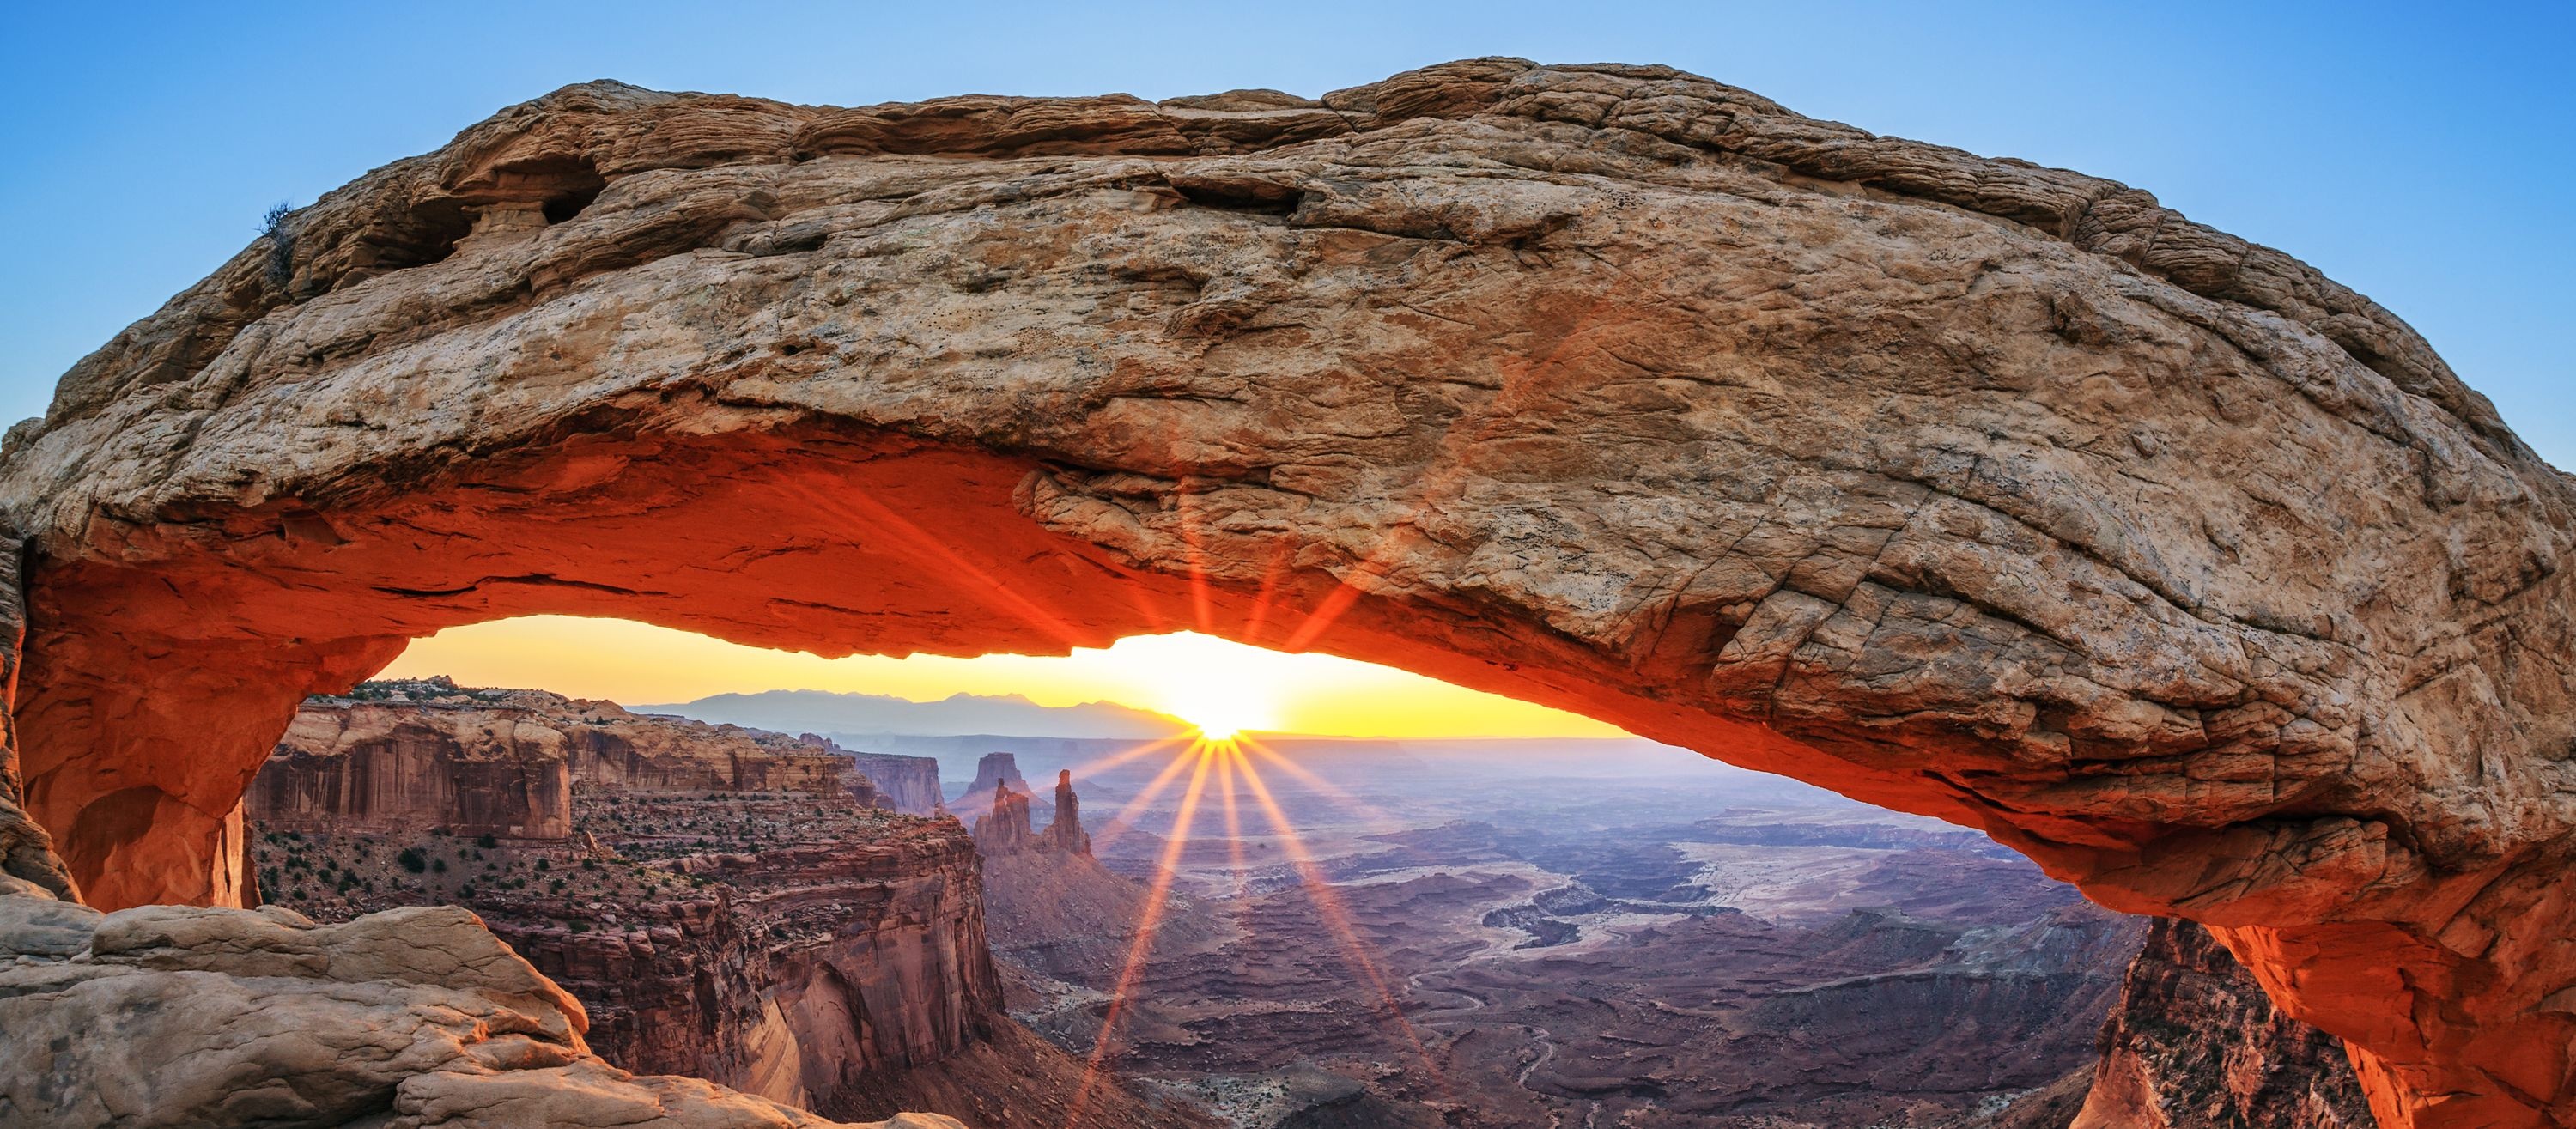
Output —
(1960, 485)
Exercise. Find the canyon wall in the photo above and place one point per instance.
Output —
(995, 770)
(907, 784)
(1960, 485)
(466, 769)
(405, 753)
(719, 900)
(2195, 1044)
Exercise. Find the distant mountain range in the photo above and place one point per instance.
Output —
(959, 715)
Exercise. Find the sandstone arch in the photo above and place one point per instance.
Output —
(1960, 485)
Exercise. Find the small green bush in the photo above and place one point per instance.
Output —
(486, 841)
(280, 267)
(412, 860)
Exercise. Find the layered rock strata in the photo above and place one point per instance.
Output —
(907, 784)
(771, 933)
(1960, 485)
(426, 754)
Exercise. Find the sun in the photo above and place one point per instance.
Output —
(1221, 719)
(1221, 703)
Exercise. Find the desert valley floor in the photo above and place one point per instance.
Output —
(1569, 938)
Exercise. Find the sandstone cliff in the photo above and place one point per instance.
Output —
(721, 903)
(907, 784)
(996, 770)
(2195, 1044)
(1957, 484)
(463, 766)
(426, 754)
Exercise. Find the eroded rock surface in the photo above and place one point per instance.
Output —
(2194, 1044)
(407, 1019)
(907, 784)
(996, 771)
(1960, 485)
(720, 903)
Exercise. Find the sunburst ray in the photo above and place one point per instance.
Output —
(1336, 917)
(1149, 917)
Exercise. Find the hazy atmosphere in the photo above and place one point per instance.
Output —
(1185, 675)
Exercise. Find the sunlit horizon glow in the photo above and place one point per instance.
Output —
(1222, 687)
(1214, 684)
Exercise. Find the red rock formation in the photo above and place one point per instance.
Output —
(907, 784)
(425, 755)
(1064, 833)
(2195, 1044)
(998, 770)
(796, 944)
(461, 767)
(1959, 485)
(1005, 830)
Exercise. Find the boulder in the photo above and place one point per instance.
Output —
(224, 1017)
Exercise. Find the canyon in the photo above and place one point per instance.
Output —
(906, 784)
(728, 904)
(1962, 486)
(1481, 938)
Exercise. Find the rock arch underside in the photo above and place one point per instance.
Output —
(1959, 485)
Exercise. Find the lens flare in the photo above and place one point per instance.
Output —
(1228, 761)
(1222, 704)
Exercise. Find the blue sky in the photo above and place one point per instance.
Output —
(2421, 154)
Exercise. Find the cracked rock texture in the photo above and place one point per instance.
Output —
(1960, 485)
